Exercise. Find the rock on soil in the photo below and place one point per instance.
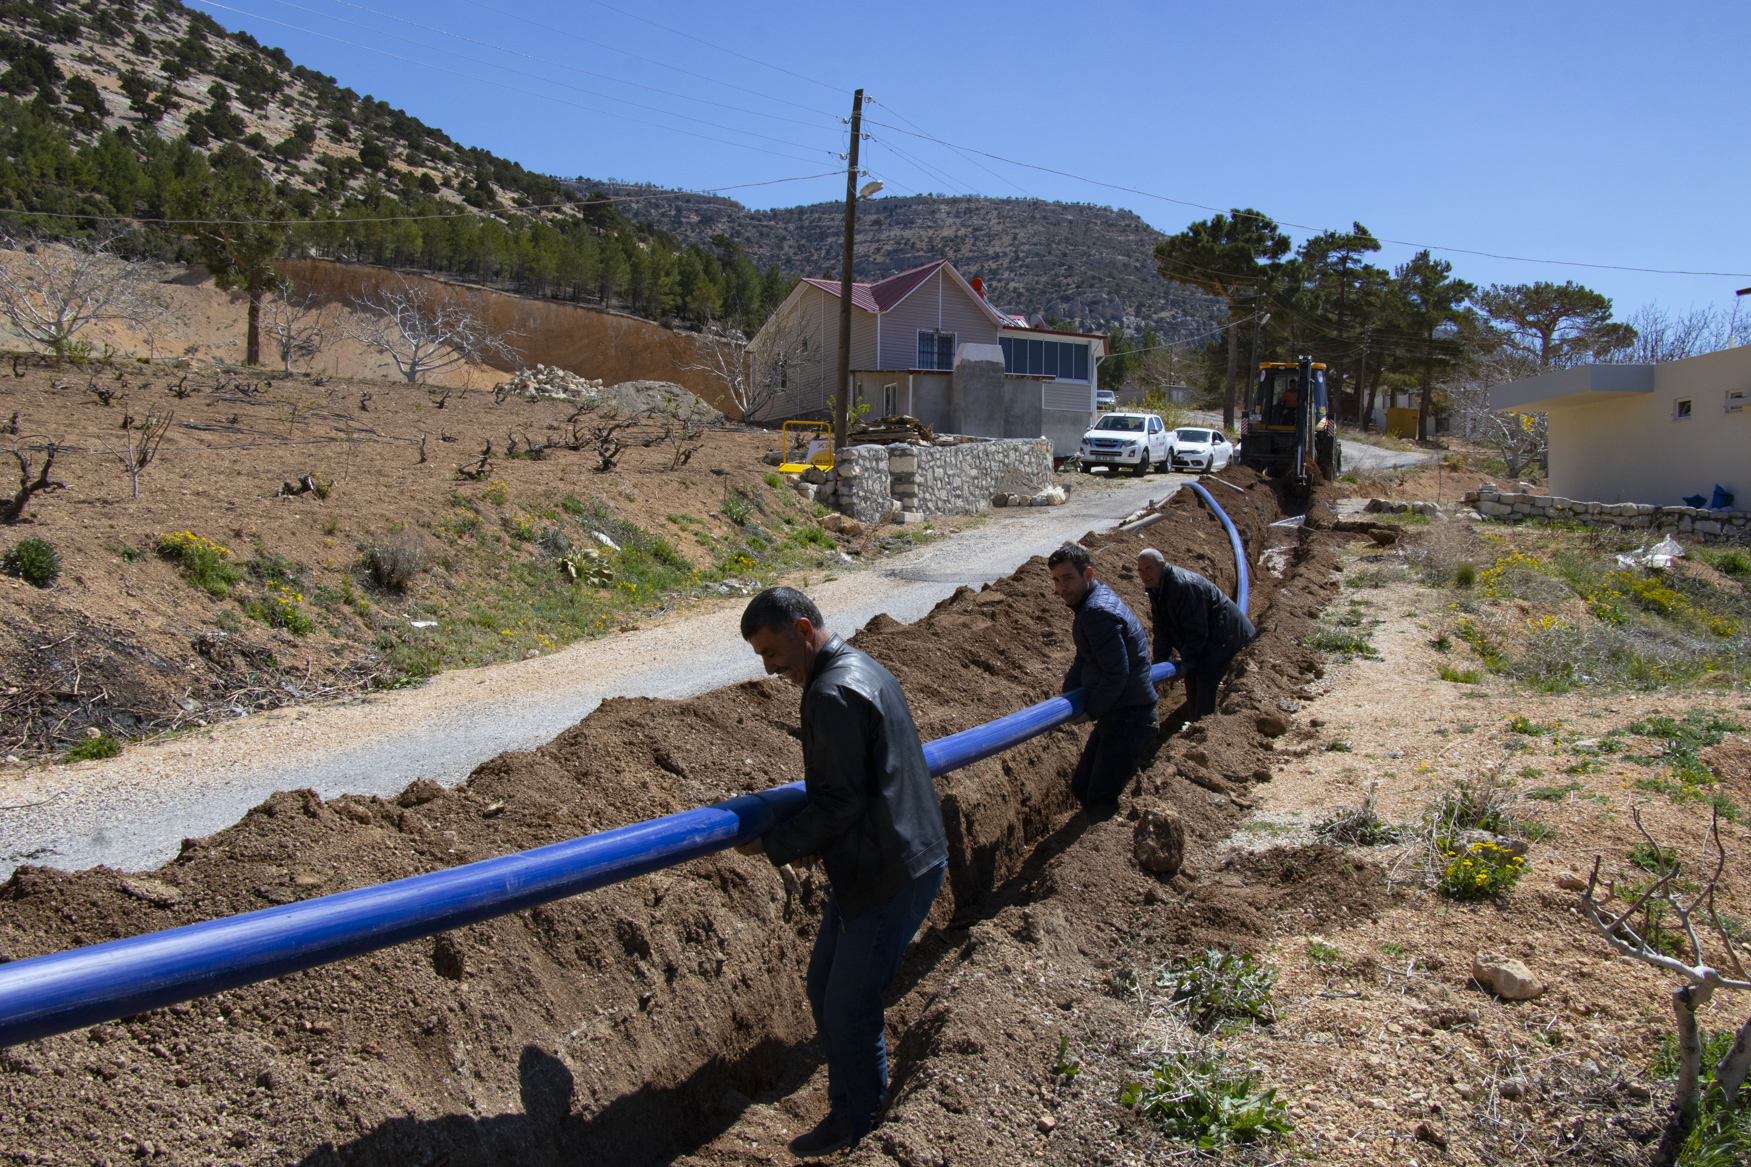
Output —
(1507, 978)
(612, 1026)
(1159, 841)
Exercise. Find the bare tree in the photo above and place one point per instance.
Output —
(760, 373)
(723, 356)
(143, 440)
(51, 291)
(1700, 977)
(12, 510)
(1672, 336)
(680, 426)
(298, 324)
(424, 331)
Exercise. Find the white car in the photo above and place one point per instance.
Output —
(1125, 441)
(1194, 448)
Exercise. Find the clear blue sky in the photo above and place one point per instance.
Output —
(1605, 132)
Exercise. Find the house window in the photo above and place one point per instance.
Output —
(1735, 400)
(936, 350)
(1681, 409)
(1065, 360)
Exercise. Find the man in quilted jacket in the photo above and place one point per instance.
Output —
(1112, 668)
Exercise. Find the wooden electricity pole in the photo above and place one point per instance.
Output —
(842, 395)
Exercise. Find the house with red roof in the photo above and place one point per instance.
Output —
(927, 342)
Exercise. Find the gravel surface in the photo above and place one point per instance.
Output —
(132, 812)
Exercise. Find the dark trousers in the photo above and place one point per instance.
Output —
(1201, 687)
(852, 963)
(1113, 753)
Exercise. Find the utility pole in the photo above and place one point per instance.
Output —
(842, 395)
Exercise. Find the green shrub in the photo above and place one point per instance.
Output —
(1483, 870)
(280, 607)
(1200, 1098)
(269, 567)
(1341, 641)
(1553, 793)
(738, 510)
(1464, 575)
(772, 480)
(204, 563)
(1321, 953)
(33, 560)
(1218, 986)
(1732, 562)
(89, 749)
(1461, 676)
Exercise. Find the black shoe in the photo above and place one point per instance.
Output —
(832, 1134)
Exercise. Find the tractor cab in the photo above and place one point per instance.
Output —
(1288, 424)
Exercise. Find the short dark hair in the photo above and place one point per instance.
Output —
(1074, 554)
(778, 610)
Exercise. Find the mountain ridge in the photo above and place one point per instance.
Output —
(167, 78)
(1089, 266)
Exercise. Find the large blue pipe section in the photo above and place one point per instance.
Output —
(46, 995)
(1242, 590)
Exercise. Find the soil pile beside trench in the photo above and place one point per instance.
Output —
(658, 1017)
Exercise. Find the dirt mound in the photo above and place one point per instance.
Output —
(657, 396)
(645, 1020)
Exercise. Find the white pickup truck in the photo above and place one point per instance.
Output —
(1130, 441)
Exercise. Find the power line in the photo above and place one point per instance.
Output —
(499, 84)
(974, 161)
(1306, 227)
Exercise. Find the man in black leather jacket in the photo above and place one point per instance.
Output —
(1192, 616)
(872, 817)
(1112, 667)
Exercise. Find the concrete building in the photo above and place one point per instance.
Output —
(927, 342)
(1653, 434)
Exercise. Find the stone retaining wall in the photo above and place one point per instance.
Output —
(871, 483)
(1706, 525)
(960, 480)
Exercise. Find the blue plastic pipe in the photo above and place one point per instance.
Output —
(46, 995)
(1242, 589)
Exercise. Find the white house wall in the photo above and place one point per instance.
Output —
(1635, 450)
(939, 304)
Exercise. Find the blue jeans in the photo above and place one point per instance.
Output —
(852, 963)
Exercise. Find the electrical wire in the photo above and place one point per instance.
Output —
(1306, 227)
(500, 84)
(963, 154)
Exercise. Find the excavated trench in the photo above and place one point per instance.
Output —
(637, 1023)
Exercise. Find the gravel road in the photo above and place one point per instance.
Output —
(133, 811)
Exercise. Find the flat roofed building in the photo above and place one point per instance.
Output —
(1652, 434)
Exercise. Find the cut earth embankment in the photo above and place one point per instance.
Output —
(613, 1026)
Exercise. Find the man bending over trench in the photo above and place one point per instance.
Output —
(872, 817)
(1112, 668)
(1195, 618)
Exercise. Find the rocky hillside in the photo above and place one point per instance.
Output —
(84, 86)
(1087, 265)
